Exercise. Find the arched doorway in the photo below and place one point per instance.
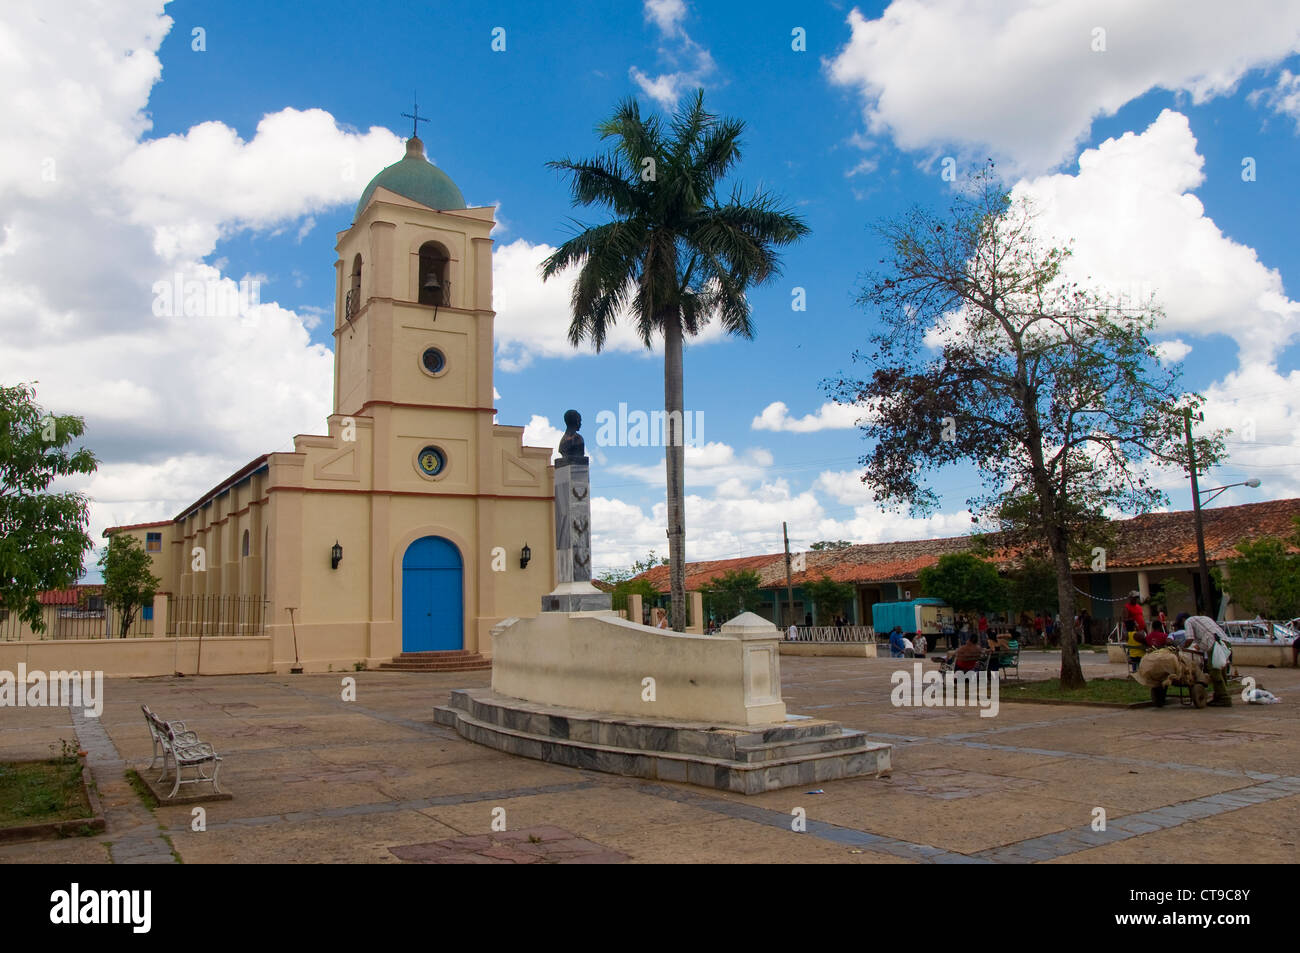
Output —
(432, 596)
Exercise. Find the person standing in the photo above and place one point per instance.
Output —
(1212, 641)
(897, 644)
(1136, 629)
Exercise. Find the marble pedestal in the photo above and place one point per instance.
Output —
(573, 591)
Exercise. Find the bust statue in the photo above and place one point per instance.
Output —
(572, 447)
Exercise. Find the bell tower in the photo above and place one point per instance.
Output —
(413, 314)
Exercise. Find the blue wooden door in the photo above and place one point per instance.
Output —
(432, 596)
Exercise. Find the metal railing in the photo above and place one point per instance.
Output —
(833, 633)
(208, 614)
(74, 622)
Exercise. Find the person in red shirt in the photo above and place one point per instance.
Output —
(1133, 614)
(1135, 626)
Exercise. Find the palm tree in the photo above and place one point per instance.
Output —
(673, 256)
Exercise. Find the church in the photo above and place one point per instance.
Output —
(416, 523)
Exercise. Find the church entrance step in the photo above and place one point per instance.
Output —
(452, 661)
(437, 656)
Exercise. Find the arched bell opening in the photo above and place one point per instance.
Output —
(434, 281)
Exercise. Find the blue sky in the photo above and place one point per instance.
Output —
(226, 163)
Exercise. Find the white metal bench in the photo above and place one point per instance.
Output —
(181, 748)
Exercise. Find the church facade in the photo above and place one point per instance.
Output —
(403, 528)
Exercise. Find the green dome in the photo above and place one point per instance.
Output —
(416, 178)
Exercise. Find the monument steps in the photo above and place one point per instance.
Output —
(729, 757)
(458, 660)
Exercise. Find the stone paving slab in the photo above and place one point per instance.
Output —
(318, 779)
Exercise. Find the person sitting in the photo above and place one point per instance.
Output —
(1157, 638)
(896, 642)
(967, 657)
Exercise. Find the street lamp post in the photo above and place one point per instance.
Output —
(1203, 606)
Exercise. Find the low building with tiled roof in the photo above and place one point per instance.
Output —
(1148, 550)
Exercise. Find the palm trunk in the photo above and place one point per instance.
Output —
(675, 462)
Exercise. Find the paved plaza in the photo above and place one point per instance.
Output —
(317, 779)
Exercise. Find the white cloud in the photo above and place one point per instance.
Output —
(1021, 79)
(864, 167)
(173, 401)
(1171, 352)
(539, 432)
(195, 188)
(533, 316)
(1261, 405)
(666, 14)
(733, 523)
(830, 416)
(710, 464)
(1139, 230)
(1283, 98)
(694, 64)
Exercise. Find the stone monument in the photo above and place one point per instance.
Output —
(580, 686)
(573, 589)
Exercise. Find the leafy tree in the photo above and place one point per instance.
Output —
(1167, 590)
(1264, 578)
(988, 356)
(128, 582)
(674, 255)
(615, 576)
(43, 536)
(828, 545)
(966, 582)
(640, 587)
(733, 592)
(828, 596)
(1032, 586)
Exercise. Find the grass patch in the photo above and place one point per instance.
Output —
(39, 792)
(139, 787)
(172, 847)
(1116, 691)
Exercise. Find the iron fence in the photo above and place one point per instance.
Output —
(207, 614)
(833, 633)
(74, 622)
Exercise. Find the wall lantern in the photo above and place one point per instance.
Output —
(525, 555)
(336, 555)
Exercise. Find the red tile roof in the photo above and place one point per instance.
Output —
(122, 529)
(70, 596)
(1153, 539)
(702, 573)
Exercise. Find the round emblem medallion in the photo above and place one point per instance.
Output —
(432, 460)
(434, 360)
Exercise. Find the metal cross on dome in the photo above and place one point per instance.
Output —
(415, 118)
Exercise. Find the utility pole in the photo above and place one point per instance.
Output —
(1203, 606)
(789, 585)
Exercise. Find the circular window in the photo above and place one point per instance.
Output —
(431, 461)
(433, 360)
